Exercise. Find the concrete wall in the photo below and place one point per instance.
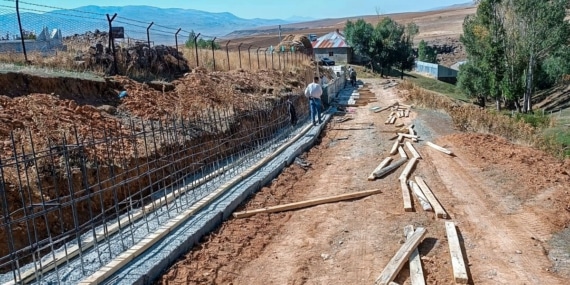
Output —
(341, 55)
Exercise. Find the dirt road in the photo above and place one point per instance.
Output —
(507, 201)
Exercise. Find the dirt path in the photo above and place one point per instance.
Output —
(504, 221)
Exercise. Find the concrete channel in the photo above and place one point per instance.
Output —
(152, 262)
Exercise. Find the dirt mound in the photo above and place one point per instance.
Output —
(199, 90)
(299, 42)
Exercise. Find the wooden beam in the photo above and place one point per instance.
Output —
(382, 109)
(406, 195)
(438, 209)
(394, 147)
(413, 150)
(380, 166)
(408, 168)
(407, 113)
(393, 120)
(439, 148)
(397, 262)
(389, 168)
(399, 125)
(402, 152)
(305, 204)
(408, 136)
(388, 120)
(416, 271)
(400, 139)
(420, 195)
(457, 261)
(413, 133)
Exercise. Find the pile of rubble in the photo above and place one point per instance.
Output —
(159, 60)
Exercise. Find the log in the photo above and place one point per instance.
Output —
(408, 168)
(385, 170)
(402, 152)
(420, 195)
(439, 148)
(406, 195)
(308, 203)
(397, 262)
(394, 148)
(438, 209)
(380, 166)
(457, 261)
(416, 271)
(413, 150)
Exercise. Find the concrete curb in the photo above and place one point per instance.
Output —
(153, 262)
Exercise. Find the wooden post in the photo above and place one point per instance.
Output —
(402, 152)
(406, 195)
(397, 262)
(457, 261)
(416, 271)
(389, 168)
(395, 147)
(408, 168)
(438, 209)
(439, 148)
(420, 195)
(308, 203)
(380, 166)
(414, 152)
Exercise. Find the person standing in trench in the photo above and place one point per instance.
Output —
(314, 92)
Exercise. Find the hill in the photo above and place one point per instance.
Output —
(135, 20)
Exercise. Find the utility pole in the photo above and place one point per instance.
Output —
(279, 33)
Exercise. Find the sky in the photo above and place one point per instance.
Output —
(273, 9)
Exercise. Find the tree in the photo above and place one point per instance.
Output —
(201, 43)
(387, 44)
(426, 53)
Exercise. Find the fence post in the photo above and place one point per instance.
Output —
(112, 42)
(228, 54)
(213, 53)
(249, 56)
(148, 34)
(239, 54)
(272, 65)
(257, 52)
(176, 41)
(265, 52)
(279, 59)
(21, 31)
(196, 49)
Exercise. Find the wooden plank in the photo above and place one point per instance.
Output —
(408, 168)
(380, 166)
(406, 195)
(388, 120)
(382, 109)
(416, 271)
(420, 195)
(457, 261)
(439, 148)
(402, 152)
(109, 269)
(413, 150)
(407, 113)
(397, 262)
(400, 139)
(438, 209)
(393, 120)
(305, 204)
(399, 125)
(413, 133)
(389, 168)
(408, 136)
(394, 147)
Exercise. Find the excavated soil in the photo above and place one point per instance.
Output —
(95, 118)
(510, 204)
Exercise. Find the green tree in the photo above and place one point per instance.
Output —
(426, 53)
(201, 43)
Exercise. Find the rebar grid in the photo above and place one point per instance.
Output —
(92, 199)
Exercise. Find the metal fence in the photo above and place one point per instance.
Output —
(85, 40)
(78, 192)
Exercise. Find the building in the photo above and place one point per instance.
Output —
(333, 45)
(437, 71)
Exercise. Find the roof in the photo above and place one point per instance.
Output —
(331, 40)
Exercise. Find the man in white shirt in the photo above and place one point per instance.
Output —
(314, 92)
